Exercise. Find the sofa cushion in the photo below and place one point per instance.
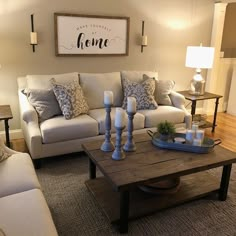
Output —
(137, 76)
(44, 102)
(17, 174)
(71, 99)
(59, 129)
(100, 115)
(44, 81)
(163, 89)
(143, 92)
(162, 113)
(94, 86)
(26, 213)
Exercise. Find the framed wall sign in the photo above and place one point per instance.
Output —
(91, 35)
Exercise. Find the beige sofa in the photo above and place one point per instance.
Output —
(23, 209)
(56, 136)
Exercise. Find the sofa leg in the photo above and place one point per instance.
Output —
(37, 163)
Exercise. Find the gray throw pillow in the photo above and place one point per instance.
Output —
(44, 102)
(71, 99)
(143, 92)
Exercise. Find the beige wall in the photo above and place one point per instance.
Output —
(171, 26)
(228, 45)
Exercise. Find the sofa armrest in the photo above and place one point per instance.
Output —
(30, 126)
(178, 100)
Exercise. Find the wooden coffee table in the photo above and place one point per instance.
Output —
(118, 194)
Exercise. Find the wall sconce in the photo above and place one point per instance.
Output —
(33, 35)
(144, 38)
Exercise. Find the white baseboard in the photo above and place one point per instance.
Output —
(14, 134)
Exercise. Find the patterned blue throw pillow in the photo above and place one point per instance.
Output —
(142, 91)
(70, 98)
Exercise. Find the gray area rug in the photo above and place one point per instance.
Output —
(75, 211)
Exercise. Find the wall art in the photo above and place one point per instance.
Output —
(91, 35)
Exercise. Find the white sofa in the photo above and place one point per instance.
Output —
(57, 135)
(23, 209)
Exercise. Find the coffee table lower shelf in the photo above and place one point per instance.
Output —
(192, 187)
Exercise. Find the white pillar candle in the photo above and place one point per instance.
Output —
(194, 127)
(200, 134)
(131, 105)
(189, 136)
(108, 97)
(119, 118)
(197, 142)
(33, 38)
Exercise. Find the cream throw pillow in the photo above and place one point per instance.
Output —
(143, 92)
(162, 91)
(70, 98)
(3, 154)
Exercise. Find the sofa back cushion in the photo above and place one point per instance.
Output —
(137, 76)
(94, 85)
(44, 81)
(22, 82)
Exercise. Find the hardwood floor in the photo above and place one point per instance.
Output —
(19, 145)
(225, 130)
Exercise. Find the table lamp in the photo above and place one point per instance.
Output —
(200, 58)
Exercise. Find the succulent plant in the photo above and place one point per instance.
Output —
(166, 128)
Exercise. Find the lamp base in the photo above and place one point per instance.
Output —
(197, 88)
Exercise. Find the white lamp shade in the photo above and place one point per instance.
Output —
(199, 57)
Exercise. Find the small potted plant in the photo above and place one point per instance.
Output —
(165, 129)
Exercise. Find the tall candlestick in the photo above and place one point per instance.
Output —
(118, 153)
(107, 145)
(131, 105)
(130, 144)
(119, 118)
(108, 97)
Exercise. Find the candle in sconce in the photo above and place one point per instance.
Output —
(33, 38)
(119, 118)
(108, 97)
(131, 105)
(144, 40)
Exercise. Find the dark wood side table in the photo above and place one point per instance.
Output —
(206, 96)
(6, 114)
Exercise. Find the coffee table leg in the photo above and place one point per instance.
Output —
(124, 211)
(224, 182)
(92, 169)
